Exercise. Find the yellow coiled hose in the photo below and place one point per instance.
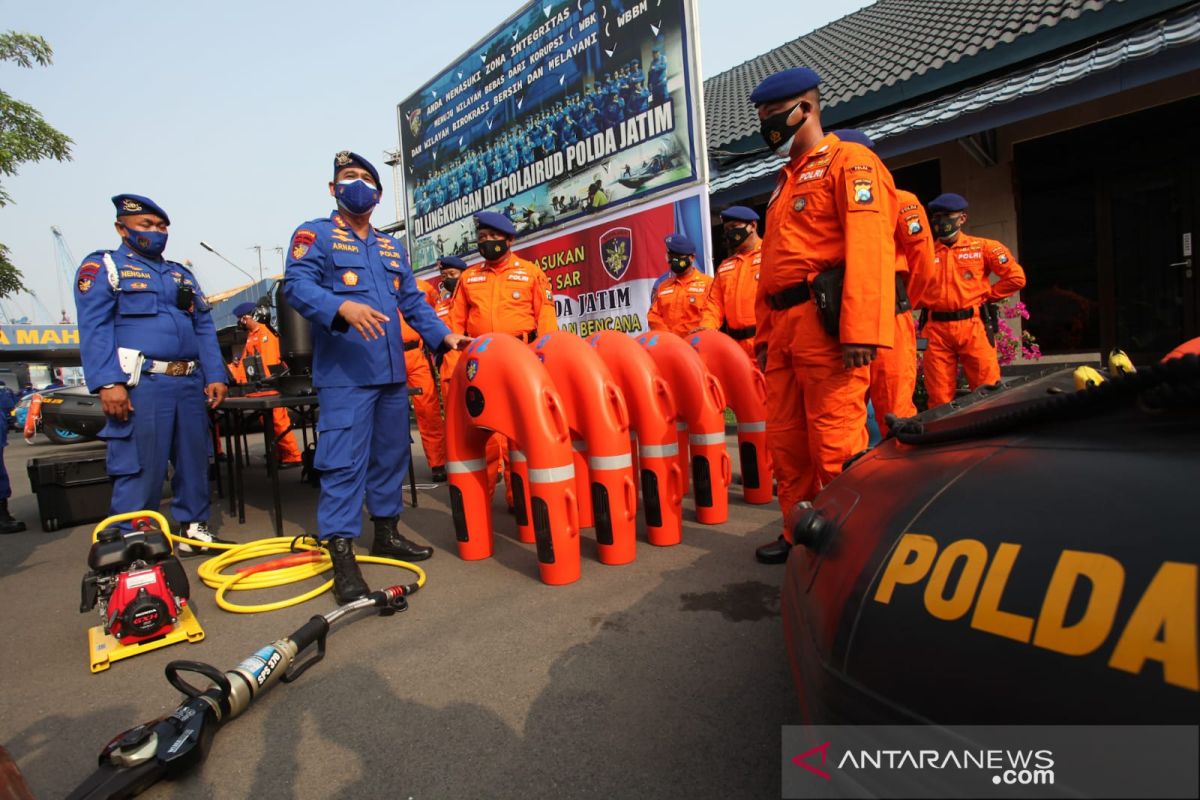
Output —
(212, 571)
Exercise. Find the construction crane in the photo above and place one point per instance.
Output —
(66, 269)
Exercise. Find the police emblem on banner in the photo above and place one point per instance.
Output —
(862, 191)
(616, 251)
(414, 121)
(472, 368)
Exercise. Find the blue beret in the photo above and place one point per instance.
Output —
(680, 244)
(785, 84)
(856, 136)
(948, 202)
(136, 204)
(740, 214)
(497, 222)
(347, 159)
(242, 309)
(453, 262)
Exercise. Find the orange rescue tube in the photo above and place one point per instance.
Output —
(746, 392)
(31, 416)
(499, 385)
(701, 404)
(651, 407)
(597, 412)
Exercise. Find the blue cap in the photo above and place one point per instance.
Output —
(785, 84)
(497, 222)
(739, 214)
(856, 136)
(136, 204)
(347, 159)
(242, 309)
(680, 244)
(948, 203)
(452, 262)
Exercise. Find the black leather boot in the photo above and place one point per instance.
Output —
(348, 583)
(439, 474)
(774, 553)
(389, 543)
(9, 524)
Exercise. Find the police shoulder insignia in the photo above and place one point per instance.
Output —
(350, 277)
(1003, 258)
(862, 191)
(472, 368)
(301, 242)
(914, 225)
(85, 283)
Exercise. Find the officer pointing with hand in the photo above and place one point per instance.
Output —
(350, 281)
(149, 350)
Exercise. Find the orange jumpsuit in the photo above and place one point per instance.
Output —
(263, 342)
(834, 205)
(731, 300)
(420, 376)
(512, 296)
(894, 371)
(960, 284)
(449, 359)
(679, 304)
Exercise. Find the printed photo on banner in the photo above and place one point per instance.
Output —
(567, 109)
(602, 274)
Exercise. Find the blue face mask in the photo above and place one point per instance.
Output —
(148, 243)
(356, 196)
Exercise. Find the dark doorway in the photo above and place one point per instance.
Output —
(924, 179)
(1104, 213)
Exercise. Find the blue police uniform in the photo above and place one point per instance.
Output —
(8, 402)
(169, 421)
(363, 444)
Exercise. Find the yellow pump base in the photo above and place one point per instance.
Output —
(103, 649)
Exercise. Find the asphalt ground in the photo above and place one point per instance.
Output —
(663, 678)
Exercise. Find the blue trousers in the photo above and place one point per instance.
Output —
(5, 486)
(169, 423)
(362, 450)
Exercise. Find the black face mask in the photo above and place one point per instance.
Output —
(679, 264)
(945, 227)
(735, 236)
(449, 283)
(777, 133)
(493, 249)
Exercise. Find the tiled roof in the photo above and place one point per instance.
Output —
(1176, 30)
(896, 51)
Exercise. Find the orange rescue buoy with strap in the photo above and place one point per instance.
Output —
(746, 390)
(499, 385)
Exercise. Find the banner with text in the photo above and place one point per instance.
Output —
(566, 109)
(602, 274)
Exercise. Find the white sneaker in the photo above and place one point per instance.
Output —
(200, 532)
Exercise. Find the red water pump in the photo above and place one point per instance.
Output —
(139, 586)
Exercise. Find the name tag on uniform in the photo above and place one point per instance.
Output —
(698, 289)
(477, 279)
